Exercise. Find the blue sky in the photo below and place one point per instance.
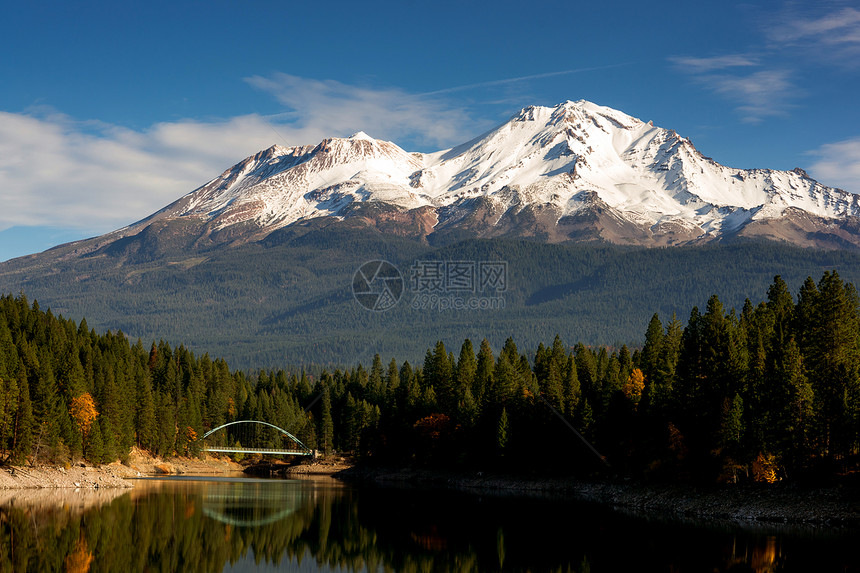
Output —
(109, 111)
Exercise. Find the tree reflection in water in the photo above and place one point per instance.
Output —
(208, 524)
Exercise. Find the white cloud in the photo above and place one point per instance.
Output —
(704, 65)
(836, 30)
(61, 172)
(793, 37)
(757, 95)
(838, 164)
(761, 94)
(824, 33)
(391, 113)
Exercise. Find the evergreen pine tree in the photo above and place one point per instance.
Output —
(24, 424)
(145, 418)
(781, 305)
(586, 369)
(375, 384)
(466, 371)
(553, 386)
(503, 431)
(504, 381)
(439, 374)
(652, 350)
(833, 355)
(94, 444)
(572, 393)
(392, 385)
(484, 371)
(326, 423)
(109, 447)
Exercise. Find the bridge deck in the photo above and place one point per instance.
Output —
(269, 452)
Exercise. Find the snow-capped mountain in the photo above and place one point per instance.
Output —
(574, 171)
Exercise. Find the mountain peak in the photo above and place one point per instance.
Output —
(578, 113)
(273, 151)
(361, 135)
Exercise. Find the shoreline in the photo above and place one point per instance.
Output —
(837, 506)
(58, 477)
(141, 464)
(112, 475)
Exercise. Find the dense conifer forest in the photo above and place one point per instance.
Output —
(289, 300)
(766, 392)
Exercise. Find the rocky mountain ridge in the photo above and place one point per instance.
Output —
(576, 171)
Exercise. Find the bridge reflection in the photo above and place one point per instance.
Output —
(252, 504)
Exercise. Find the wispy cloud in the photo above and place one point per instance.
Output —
(756, 94)
(62, 172)
(759, 95)
(505, 81)
(838, 164)
(832, 37)
(763, 80)
(711, 64)
(341, 109)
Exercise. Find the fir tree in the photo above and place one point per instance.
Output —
(484, 371)
(503, 431)
(145, 419)
(466, 371)
(572, 393)
(652, 350)
(326, 423)
(22, 442)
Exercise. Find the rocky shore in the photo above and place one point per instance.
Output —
(84, 477)
(114, 475)
(831, 505)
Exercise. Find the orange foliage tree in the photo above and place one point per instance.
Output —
(83, 411)
(634, 385)
(433, 431)
(433, 427)
(764, 468)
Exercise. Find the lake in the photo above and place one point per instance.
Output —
(238, 524)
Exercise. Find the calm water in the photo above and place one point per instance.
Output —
(239, 524)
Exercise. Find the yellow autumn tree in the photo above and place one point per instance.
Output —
(634, 385)
(764, 468)
(84, 413)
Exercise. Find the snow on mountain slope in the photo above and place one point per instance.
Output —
(571, 164)
(281, 185)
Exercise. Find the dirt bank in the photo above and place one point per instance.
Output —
(106, 476)
(146, 464)
(832, 505)
(81, 475)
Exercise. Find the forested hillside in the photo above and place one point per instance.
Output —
(289, 300)
(764, 392)
(66, 392)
